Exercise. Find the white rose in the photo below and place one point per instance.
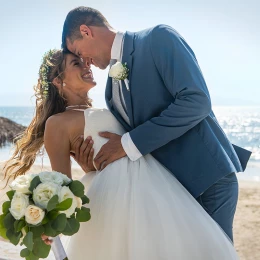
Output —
(44, 192)
(66, 179)
(116, 70)
(79, 202)
(22, 184)
(54, 177)
(34, 215)
(65, 193)
(19, 204)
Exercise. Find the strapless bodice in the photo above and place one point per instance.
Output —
(100, 120)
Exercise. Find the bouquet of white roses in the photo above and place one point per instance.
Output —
(47, 203)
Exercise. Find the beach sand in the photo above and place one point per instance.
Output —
(246, 223)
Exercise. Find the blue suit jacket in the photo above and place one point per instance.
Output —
(170, 111)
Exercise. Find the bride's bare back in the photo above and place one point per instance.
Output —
(61, 135)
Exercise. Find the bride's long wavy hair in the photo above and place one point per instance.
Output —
(30, 143)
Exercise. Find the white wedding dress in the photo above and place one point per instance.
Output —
(141, 212)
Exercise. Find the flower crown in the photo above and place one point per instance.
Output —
(44, 71)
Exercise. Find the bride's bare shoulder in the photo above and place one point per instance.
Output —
(66, 125)
(57, 120)
(62, 119)
(57, 127)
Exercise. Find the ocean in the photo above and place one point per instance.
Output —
(241, 124)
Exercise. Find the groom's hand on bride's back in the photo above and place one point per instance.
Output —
(110, 152)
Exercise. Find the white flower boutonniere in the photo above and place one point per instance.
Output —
(119, 71)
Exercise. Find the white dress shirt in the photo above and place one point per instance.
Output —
(116, 53)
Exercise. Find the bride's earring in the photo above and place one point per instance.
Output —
(63, 84)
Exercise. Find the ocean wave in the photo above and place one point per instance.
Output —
(242, 126)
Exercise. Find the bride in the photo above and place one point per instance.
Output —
(139, 209)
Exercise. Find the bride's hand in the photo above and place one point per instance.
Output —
(46, 239)
(84, 154)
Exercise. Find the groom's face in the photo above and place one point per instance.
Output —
(90, 50)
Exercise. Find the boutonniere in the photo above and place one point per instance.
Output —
(119, 71)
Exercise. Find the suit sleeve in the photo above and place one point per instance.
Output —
(178, 68)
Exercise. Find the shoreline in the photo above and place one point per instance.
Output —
(9, 130)
(246, 222)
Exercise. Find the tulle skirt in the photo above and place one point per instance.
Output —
(140, 211)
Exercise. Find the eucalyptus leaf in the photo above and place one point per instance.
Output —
(40, 249)
(72, 227)
(25, 252)
(32, 257)
(19, 224)
(84, 199)
(2, 220)
(64, 205)
(13, 236)
(34, 183)
(26, 229)
(37, 231)
(48, 230)
(60, 222)
(52, 214)
(83, 215)
(45, 220)
(52, 203)
(3, 232)
(73, 216)
(5, 207)
(15, 225)
(28, 240)
(10, 194)
(9, 221)
(77, 188)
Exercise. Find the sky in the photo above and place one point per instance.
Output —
(224, 35)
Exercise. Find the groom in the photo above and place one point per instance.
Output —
(164, 105)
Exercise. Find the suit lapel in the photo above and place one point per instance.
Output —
(108, 92)
(128, 49)
(108, 97)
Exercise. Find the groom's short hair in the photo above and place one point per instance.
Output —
(78, 16)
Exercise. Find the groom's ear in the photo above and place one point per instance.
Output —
(85, 31)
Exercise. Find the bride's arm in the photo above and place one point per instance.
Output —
(57, 145)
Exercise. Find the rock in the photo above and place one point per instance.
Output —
(9, 130)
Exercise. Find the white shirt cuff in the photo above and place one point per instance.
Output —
(130, 148)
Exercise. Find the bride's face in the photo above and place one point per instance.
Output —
(77, 76)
